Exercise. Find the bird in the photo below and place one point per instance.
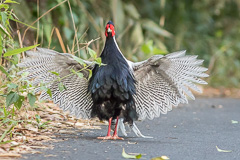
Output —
(119, 91)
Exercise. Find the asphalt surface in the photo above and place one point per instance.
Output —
(189, 132)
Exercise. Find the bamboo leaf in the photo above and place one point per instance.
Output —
(22, 23)
(3, 70)
(11, 1)
(5, 30)
(4, 18)
(19, 50)
(5, 133)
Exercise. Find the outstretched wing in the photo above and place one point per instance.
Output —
(41, 65)
(164, 81)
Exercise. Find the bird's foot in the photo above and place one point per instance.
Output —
(110, 138)
(116, 137)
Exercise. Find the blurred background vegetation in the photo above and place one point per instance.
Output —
(208, 28)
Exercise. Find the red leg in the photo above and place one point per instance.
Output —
(115, 129)
(115, 136)
(109, 130)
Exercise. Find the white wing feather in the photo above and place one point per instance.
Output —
(164, 81)
(75, 98)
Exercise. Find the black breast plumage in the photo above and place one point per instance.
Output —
(112, 85)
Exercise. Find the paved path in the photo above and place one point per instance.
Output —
(189, 132)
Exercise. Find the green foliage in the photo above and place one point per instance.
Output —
(12, 89)
(19, 102)
(79, 60)
(19, 50)
(79, 74)
(11, 98)
(57, 74)
(92, 53)
(4, 70)
(61, 86)
(49, 92)
(128, 156)
(211, 30)
(149, 48)
(14, 92)
(31, 98)
(40, 124)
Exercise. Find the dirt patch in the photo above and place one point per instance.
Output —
(37, 126)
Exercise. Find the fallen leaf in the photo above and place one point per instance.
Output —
(26, 137)
(220, 150)
(132, 142)
(234, 122)
(10, 155)
(40, 147)
(160, 158)
(13, 143)
(50, 155)
(127, 156)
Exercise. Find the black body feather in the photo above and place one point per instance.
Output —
(112, 86)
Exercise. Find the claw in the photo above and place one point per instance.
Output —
(110, 138)
(116, 137)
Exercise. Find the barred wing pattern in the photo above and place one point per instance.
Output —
(75, 97)
(163, 82)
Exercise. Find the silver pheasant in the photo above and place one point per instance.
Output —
(162, 82)
(120, 91)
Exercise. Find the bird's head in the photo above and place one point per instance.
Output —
(109, 30)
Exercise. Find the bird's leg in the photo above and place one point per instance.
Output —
(109, 130)
(115, 136)
(109, 127)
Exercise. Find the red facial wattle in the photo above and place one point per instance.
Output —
(111, 27)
